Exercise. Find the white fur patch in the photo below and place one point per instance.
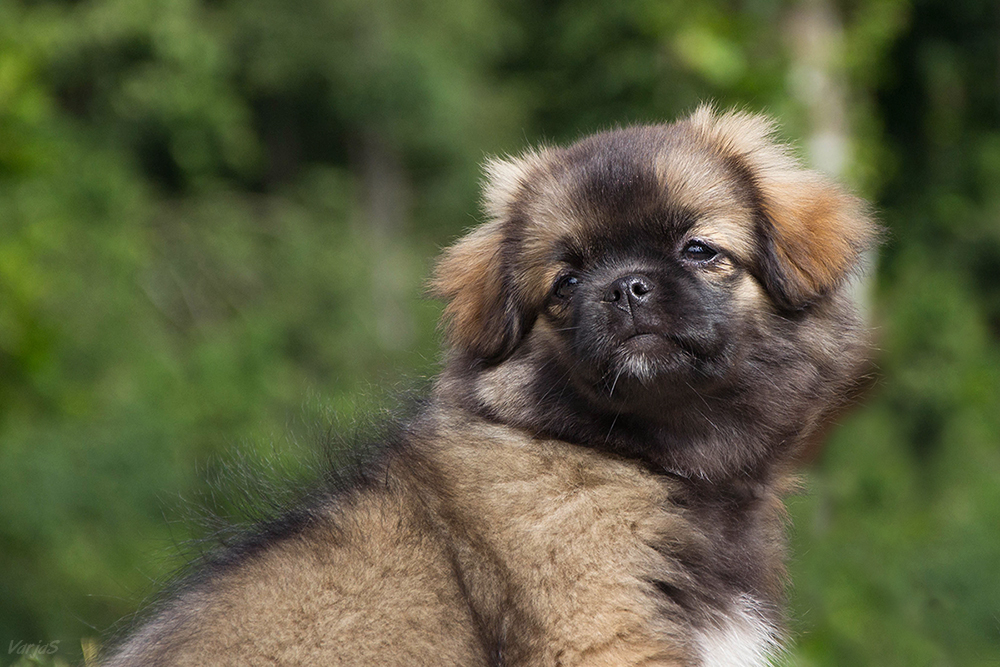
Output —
(743, 638)
(640, 366)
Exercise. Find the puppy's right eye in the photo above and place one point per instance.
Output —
(565, 287)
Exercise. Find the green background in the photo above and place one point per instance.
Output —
(216, 219)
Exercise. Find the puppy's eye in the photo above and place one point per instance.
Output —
(698, 251)
(565, 287)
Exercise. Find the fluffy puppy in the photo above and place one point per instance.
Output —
(642, 333)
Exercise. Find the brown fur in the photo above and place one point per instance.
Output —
(597, 477)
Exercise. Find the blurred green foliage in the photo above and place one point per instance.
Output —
(216, 217)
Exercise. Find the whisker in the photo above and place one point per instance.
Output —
(615, 383)
(612, 428)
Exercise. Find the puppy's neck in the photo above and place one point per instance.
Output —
(722, 438)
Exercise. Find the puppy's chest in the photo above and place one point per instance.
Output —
(572, 557)
(605, 599)
(621, 579)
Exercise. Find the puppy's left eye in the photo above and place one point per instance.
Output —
(565, 286)
(698, 251)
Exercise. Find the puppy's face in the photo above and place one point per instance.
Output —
(648, 303)
(649, 271)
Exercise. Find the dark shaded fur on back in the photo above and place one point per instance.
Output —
(642, 334)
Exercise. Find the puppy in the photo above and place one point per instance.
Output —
(641, 334)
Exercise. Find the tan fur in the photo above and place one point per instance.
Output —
(571, 529)
(566, 530)
(820, 232)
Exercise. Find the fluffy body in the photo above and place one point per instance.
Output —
(646, 328)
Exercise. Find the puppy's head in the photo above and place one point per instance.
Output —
(654, 265)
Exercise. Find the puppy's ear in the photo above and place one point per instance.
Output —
(810, 232)
(811, 236)
(485, 315)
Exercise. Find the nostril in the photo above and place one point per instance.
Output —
(630, 288)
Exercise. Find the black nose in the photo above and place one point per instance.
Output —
(628, 291)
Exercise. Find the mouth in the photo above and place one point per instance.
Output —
(647, 364)
(646, 356)
(642, 342)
